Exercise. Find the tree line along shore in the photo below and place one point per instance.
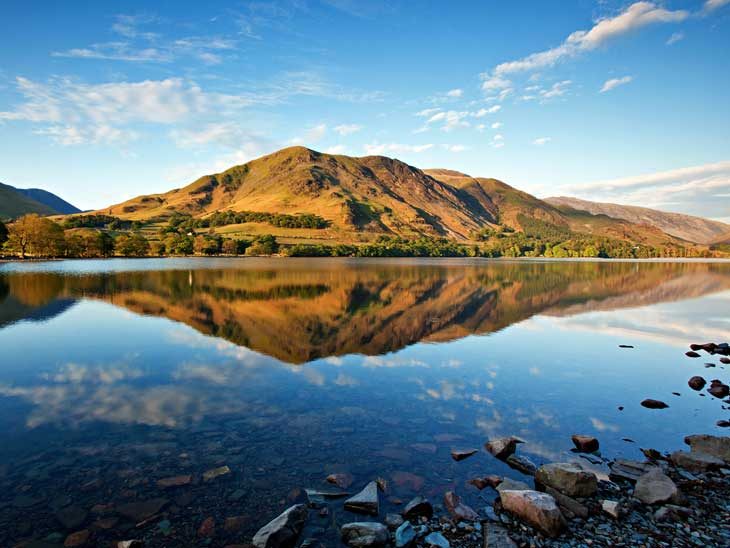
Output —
(103, 236)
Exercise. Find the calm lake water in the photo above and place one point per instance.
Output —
(115, 374)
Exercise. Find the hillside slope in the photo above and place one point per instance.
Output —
(374, 194)
(56, 203)
(14, 204)
(686, 227)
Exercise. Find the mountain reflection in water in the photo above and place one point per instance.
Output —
(314, 309)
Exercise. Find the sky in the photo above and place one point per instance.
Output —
(599, 99)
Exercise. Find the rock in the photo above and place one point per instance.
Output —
(461, 454)
(719, 389)
(585, 444)
(695, 462)
(458, 509)
(175, 481)
(671, 512)
(612, 508)
(538, 509)
(140, 511)
(382, 484)
(625, 346)
(364, 534)
(404, 535)
(652, 454)
(502, 447)
(653, 404)
(343, 481)
(692, 354)
(723, 423)
(717, 446)
(521, 464)
(216, 473)
(436, 540)
(406, 479)
(71, 517)
(79, 538)
(697, 383)
(233, 524)
(282, 531)
(129, 544)
(629, 469)
(567, 503)
(512, 485)
(418, 507)
(655, 487)
(496, 536)
(366, 501)
(393, 521)
(207, 528)
(567, 478)
(726, 361)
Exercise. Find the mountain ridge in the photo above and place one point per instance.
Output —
(15, 202)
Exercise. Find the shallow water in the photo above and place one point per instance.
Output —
(114, 374)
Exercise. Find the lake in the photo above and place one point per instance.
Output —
(116, 374)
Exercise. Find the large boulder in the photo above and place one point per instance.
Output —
(655, 487)
(695, 462)
(364, 534)
(283, 531)
(502, 447)
(567, 478)
(458, 509)
(366, 501)
(538, 509)
(717, 446)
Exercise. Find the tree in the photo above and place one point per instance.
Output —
(263, 245)
(3, 233)
(134, 245)
(37, 235)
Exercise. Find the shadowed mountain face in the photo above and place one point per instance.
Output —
(15, 202)
(314, 309)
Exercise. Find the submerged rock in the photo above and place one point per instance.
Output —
(508, 484)
(502, 447)
(364, 534)
(343, 481)
(282, 531)
(567, 478)
(175, 481)
(717, 446)
(585, 444)
(418, 507)
(719, 389)
(655, 487)
(366, 501)
(393, 521)
(521, 464)
(486, 481)
(458, 509)
(538, 509)
(436, 540)
(216, 473)
(141, 510)
(71, 517)
(695, 462)
(79, 538)
(461, 454)
(653, 404)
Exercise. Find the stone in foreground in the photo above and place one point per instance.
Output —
(521, 464)
(585, 444)
(630, 470)
(364, 534)
(436, 540)
(612, 508)
(717, 446)
(695, 462)
(655, 487)
(283, 531)
(502, 447)
(418, 507)
(366, 501)
(458, 509)
(404, 535)
(567, 478)
(538, 509)
(508, 484)
(496, 536)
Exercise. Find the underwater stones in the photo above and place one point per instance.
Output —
(282, 531)
(364, 534)
(174, 481)
(719, 389)
(79, 538)
(461, 454)
(366, 501)
(71, 517)
(214, 473)
(343, 481)
(521, 464)
(418, 507)
(141, 510)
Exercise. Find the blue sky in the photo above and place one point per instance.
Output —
(605, 100)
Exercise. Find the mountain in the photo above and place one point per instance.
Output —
(15, 202)
(363, 197)
(686, 227)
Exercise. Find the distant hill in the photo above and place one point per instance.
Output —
(376, 195)
(686, 227)
(15, 202)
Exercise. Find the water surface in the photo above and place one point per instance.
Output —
(114, 374)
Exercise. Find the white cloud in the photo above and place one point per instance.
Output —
(698, 190)
(428, 112)
(541, 141)
(558, 89)
(454, 148)
(337, 149)
(228, 134)
(347, 129)
(481, 127)
(712, 5)
(497, 125)
(378, 149)
(455, 93)
(675, 37)
(484, 111)
(613, 83)
(634, 17)
(497, 141)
